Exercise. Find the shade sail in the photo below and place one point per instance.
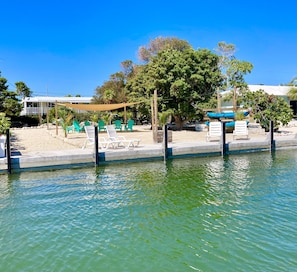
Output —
(97, 107)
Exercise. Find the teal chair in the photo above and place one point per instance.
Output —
(101, 126)
(129, 125)
(87, 123)
(118, 125)
(78, 127)
(70, 129)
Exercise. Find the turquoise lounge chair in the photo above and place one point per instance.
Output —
(129, 125)
(118, 125)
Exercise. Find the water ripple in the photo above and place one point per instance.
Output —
(212, 214)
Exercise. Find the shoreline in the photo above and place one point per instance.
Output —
(40, 148)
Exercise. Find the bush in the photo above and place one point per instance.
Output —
(25, 121)
(4, 123)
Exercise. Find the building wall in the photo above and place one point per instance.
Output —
(41, 105)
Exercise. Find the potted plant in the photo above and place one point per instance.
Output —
(4, 125)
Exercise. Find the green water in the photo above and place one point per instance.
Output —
(237, 213)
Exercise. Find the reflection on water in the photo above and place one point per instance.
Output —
(236, 213)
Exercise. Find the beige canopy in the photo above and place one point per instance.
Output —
(97, 107)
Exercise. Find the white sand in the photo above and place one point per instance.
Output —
(46, 139)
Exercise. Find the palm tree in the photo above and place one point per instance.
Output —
(292, 94)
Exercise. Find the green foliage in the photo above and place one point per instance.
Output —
(233, 71)
(266, 108)
(65, 119)
(9, 104)
(183, 79)
(4, 123)
(292, 94)
(239, 115)
(158, 44)
(112, 91)
(22, 89)
(164, 116)
(94, 117)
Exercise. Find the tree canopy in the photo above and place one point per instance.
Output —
(22, 89)
(183, 79)
(9, 103)
(266, 108)
(112, 91)
(145, 53)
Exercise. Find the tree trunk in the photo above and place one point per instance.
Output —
(178, 122)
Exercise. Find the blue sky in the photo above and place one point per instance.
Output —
(62, 47)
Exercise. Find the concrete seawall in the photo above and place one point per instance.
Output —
(77, 157)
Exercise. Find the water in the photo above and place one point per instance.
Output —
(198, 214)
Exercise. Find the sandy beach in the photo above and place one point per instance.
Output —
(43, 138)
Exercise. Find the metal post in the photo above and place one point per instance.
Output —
(8, 157)
(96, 147)
(165, 142)
(271, 129)
(223, 139)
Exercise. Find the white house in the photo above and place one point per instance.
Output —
(281, 91)
(39, 105)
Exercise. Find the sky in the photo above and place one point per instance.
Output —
(63, 47)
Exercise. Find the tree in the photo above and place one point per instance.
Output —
(128, 69)
(9, 104)
(112, 91)
(233, 71)
(65, 119)
(4, 123)
(292, 94)
(183, 79)
(22, 90)
(293, 82)
(145, 53)
(266, 108)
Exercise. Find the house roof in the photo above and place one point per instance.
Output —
(62, 99)
(272, 90)
(275, 90)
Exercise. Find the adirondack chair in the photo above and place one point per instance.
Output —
(70, 129)
(118, 125)
(101, 126)
(215, 131)
(129, 125)
(78, 127)
(240, 130)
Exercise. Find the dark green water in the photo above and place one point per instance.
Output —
(199, 214)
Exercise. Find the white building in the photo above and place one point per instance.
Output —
(39, 105)
(281, 91)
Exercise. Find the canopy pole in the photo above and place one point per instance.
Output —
(125, 115)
